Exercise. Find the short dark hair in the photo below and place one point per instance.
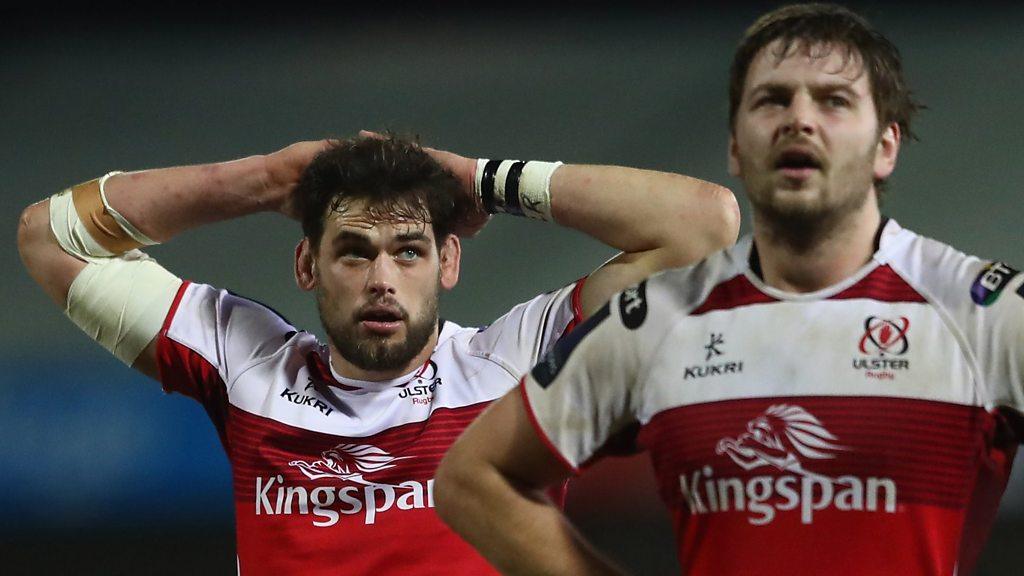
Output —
(800, 25)
(395, 176)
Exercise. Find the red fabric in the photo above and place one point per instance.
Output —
(928, 451)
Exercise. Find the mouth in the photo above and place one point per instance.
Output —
(382, 320)
(797, 163)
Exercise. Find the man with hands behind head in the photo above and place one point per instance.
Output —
(333, 446)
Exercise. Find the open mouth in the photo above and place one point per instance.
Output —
(381, 319)
(797, 163)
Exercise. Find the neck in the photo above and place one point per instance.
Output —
(350, 370)
(811, 258)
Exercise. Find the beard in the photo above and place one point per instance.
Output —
(802, 222)
(378, 352)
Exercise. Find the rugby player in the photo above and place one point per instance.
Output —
(833, 395)
(333, 446)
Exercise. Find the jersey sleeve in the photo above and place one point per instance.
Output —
(587, 391)
(210, 336)
(983, 302)
(999, 332)
(522, 336)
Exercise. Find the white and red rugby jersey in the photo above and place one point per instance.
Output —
(331, 475)
(867, 428)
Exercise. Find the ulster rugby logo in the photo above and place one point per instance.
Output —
(882, 336)
(883, 340)
(779, 438)
(348, 462)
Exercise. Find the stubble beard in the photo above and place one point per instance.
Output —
(804, 224)
(373, 352)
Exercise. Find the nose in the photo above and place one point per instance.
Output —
(381, 278)
(799, 118)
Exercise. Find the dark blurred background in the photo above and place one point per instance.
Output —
(101, 473)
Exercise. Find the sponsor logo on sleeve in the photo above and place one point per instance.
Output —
(990, 283)
(343, 488)
(633, 305)
(781, 444)
(713, 349)
(883, 342)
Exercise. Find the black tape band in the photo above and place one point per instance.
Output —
(512, 205)
(487, 185)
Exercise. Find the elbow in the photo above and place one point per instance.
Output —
(31, 230)
(723, 217)
(457, 484)
(446, 489)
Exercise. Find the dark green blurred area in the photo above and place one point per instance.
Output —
(640, 87)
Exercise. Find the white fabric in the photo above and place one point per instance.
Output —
(257, 357)
(960, 352)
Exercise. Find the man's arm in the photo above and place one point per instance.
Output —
(162, 203)
(490, 489)
(658, 220)
(579, 401)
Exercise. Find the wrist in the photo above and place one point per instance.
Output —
(264, 184)
(515, 187)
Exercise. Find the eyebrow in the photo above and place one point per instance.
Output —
(351, 237)
(777, 87)
(412, 237)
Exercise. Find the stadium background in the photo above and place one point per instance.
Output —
(102, 473)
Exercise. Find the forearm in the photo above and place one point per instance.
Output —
(640, 211)
(164, 202)
(519, 531)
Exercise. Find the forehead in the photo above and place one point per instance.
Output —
(378, 222)
(807, 63)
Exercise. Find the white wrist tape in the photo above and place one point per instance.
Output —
(515, 187)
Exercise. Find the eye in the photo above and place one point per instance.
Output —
(408, 254)
(770, 100)
(836, 101)
(353, 253)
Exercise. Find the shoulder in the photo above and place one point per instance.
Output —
(948, 277)
(224, 327)
(718, 280)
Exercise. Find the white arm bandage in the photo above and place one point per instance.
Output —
(118, 300)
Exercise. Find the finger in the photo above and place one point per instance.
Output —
(369, 134)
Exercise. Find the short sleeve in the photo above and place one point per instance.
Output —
(518, 339)
(210, 336)
(586, 391)
(999, 338)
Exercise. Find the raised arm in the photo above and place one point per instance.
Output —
(161, 203)
(658, 220)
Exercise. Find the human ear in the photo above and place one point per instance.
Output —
(450, 257)
(886, 151)
(305, 265)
